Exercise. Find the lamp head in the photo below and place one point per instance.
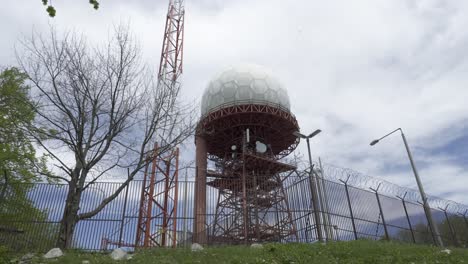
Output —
(299, 135)
(314, 133)
(375, 141)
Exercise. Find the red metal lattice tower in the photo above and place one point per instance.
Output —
(252, 204)
(157, 224)
(158, 206)
(171, 62)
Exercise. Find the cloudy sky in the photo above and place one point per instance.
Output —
(355, 69)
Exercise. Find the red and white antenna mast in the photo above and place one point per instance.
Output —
(170, 66)
(157, 218)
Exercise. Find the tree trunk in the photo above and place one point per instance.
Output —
(70, 217)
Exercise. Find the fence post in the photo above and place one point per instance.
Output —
(322, 205)
(349, 206)
(434, 239)
(325, 196)
(124, 211)
(464, 218)
(452, 231)
(407, 217)
(185, 208)
(315, 203)
(387, 237)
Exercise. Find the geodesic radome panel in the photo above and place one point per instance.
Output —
(243, 85)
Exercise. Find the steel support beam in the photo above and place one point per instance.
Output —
(199, 229)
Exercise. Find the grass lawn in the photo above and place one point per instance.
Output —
(338, 252)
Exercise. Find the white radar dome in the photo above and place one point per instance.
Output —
(244, 84)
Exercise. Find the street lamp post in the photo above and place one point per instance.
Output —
(427, 209)
(312, 182)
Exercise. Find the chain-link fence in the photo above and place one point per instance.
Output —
(351, 206)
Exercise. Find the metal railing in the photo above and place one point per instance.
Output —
(353, 206)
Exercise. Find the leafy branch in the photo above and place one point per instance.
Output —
(51, 9)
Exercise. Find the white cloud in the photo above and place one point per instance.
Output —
(355, 69)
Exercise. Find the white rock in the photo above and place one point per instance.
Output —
(256, 245)
(53, 253)
(197, 247)
(85, 262)
(27, 256)
(448, 251)
(118, 254)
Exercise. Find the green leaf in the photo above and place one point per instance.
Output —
(51, 11)
(95, 4)
(19, 166)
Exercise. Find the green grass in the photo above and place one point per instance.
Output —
(339, 252)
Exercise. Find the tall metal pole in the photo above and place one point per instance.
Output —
(244, 189)
(322, 205)
(427, 209)
(325, 197)
(185, 209)
(199, 222)
(176, 198)
(313, 190)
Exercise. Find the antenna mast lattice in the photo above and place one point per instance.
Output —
(158, 206)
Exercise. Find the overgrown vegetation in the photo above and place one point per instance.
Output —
(19, 166)
(422, 233)
(361, 251)
(51, 9)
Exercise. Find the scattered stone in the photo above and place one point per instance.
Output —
(197, 247)
(27, 256)
(118, 254)
(85, 262)
(448, 251)
(53, 253)
(129, 256)
(26, 259)
(256, 245)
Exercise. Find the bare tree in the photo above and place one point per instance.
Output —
(99, 110)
